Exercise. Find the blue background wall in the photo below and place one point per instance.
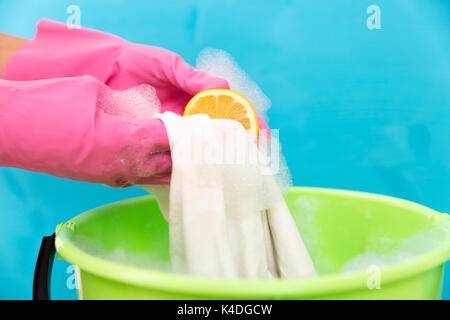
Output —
(357, 108)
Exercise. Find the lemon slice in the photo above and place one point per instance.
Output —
(224, 104)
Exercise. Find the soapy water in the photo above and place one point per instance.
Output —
(304, 213)
(120, 254)
(379, 251)
(422, 242)
(432, 236)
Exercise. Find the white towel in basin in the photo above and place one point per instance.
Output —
(226, 214)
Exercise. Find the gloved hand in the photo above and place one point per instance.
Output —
(59, 52)
(56, 110)
(57, 126)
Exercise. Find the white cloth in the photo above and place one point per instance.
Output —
(227, 217)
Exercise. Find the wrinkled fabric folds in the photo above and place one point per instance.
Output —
(227, 217)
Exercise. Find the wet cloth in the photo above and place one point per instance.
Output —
(226, 215)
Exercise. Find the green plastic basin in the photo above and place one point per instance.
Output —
(344, 222)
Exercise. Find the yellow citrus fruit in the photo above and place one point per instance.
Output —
(224, 104)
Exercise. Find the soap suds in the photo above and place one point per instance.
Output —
(140, 102)
(120, 254)
(429, 238)
(221, 64)
(304, 214)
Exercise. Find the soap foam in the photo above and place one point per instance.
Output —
(379, 251)
(119, 254)
(140, 102)
(304, 214)
(221, 64)
(429, 238)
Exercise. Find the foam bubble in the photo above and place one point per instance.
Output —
(304, 214)
(271, 151)
(221, 64)
(429, 238)
(121, 255)
(139, 102)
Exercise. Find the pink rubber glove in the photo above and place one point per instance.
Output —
(58, 52)
(56, 126)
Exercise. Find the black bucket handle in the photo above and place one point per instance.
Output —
(43, 269)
